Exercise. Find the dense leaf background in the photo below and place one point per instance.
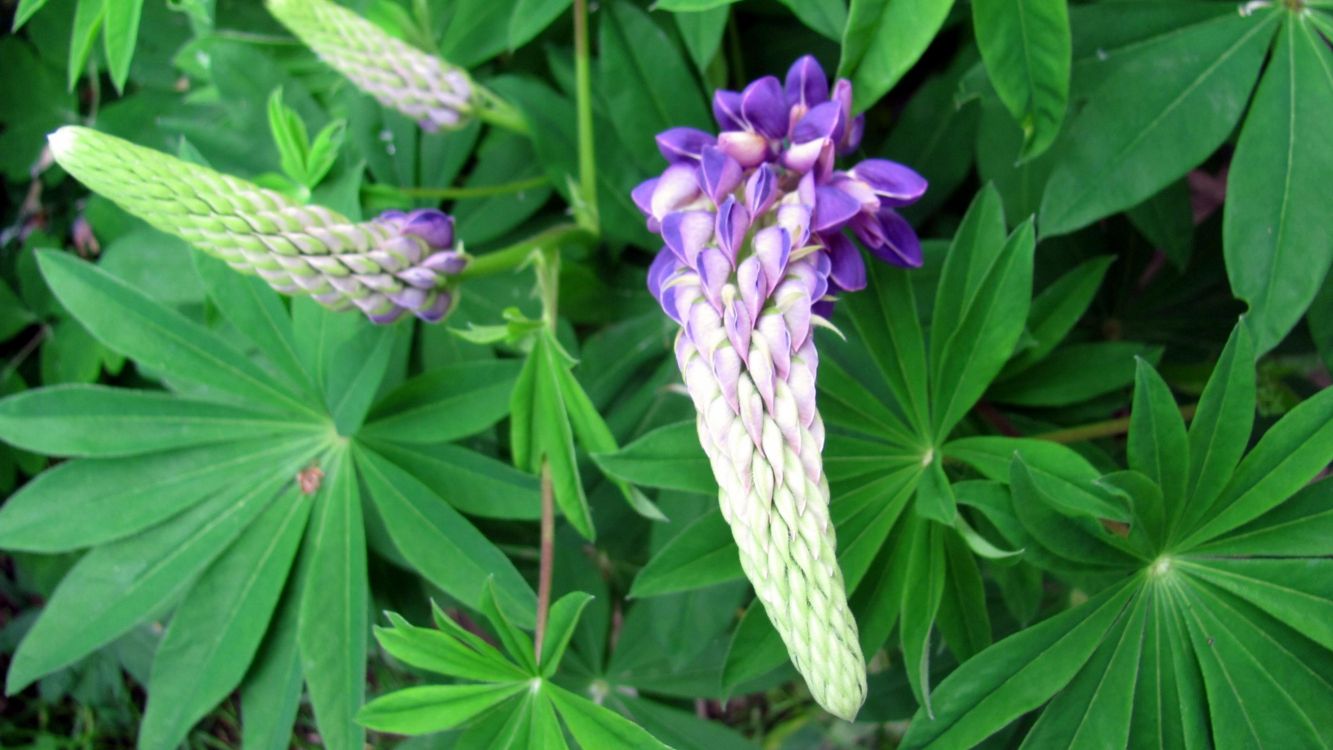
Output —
(1078, 460)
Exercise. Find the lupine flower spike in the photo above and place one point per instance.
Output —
(755, 224)
(424, 87)
(395, 263)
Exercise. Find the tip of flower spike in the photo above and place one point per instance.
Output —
(65, 140)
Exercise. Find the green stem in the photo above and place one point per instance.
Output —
(459, 193)
(1109, 428)
(585, 208)
(493, 110)
(515, 256)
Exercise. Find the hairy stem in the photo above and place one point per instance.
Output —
(585, 207)
(1109, 428)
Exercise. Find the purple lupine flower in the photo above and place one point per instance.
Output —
(755, 224)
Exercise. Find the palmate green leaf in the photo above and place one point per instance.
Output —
(540, 430)
(433, 708)
(358, 368)
(471, 482)
(272, 689)
(647, 85)
(1302, 525)
(563, 618)
(980, 307)
(84, 503)
(1016, 675)
(668, 457)
(1055, 469)
(444, 404)
(88, 18)
(921, 600)
(886, 321)
(883, 39)
(1094, 709)
(1220, 430)
(1074, 374)
(680, 729)
(1264, 686)
(702, 554)
(1299, 592)
(1276, 235)
(1055, 310)
(1132, 140)
(441, 543)
(1158, 446)
(101, 422)
(1291, 453)
(153, 335)
(1026, 47)
(844, 401)
(27, 9)
(934, 496)
(531, 17)
(702, 33)
(474, 31)
(1067, 527)
(594, 726)
(120, 34)
(121, 584)
(332, 625)
(864, 516)
(828, 18)
(218, 627)
(1170, 692)
(440, 652)
(257, 311)
(962, 618)
(516, 643)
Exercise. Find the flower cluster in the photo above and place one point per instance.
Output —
(395, 263)
(424, 87)
(755, 222)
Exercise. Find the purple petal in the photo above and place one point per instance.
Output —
(795, 219)
(822, 121)
(846, 267)
(714, 268)
(852, 140)
(437, 309)
(447, 262)
(761, 190)
(736, 319)
(748, 149)
(727, 110)
(752, 285)
(823, 308)
(803, 157)
(901, 246)
(719, 173)
(686, 233)
(421, 278)
(764, 107)
(833, 209)
(775, 332)
(435, 227)
(733, 221)
(678, 144)
(643, 196)
(806, 84)
(772, 246)
(664, 264)
(677, 187)
(894, 183)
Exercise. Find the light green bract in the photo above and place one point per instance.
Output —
(424, 87)
(393, 264)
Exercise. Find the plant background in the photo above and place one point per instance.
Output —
(1175, 156)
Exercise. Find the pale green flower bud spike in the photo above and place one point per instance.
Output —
(392, 264)
(401, 77)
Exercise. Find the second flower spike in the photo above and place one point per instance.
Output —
(393, 264)
(424, 87)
